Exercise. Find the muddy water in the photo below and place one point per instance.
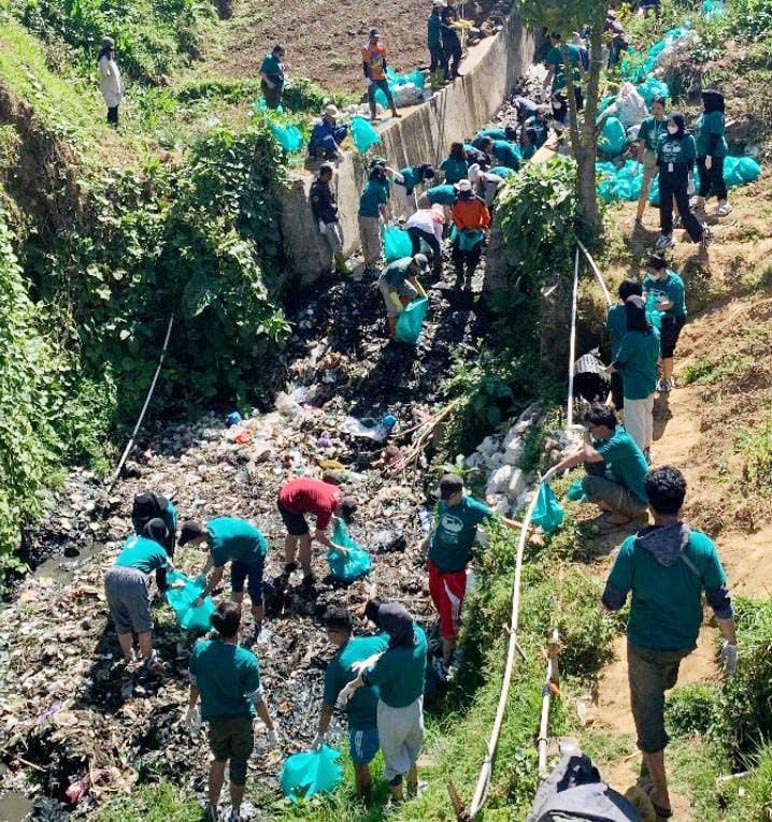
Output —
(14, 806)
(62, 570)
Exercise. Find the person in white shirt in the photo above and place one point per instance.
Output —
(426, 224)
(110, 83)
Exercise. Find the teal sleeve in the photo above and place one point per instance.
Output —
(219, 557)
(331, 686)
(713, 575)
(621, 576)
(623, 352)
(193, 664)
(251, 676)
(381, 671)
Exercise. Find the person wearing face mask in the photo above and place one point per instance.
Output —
(676, 153)
(666, 289)
(652, 128)
(711, 152)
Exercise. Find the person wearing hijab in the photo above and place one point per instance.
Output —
(676, 153)
(110, 83)
(636, 360)
(399, 674)
(665, 289)
(711, 152)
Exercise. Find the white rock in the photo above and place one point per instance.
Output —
(498, 482)
(516, 484)
(514, 452)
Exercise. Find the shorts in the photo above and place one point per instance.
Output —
(651, 673)
(231, 738)
(447, 591)
(671, 331)
(363, 745)
(128, 596)
(599, 489)
(253, 573)
(296, 523)
(401, 734)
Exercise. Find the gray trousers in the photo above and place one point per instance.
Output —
(401, 734)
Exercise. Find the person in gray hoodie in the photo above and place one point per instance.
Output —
(666, 567)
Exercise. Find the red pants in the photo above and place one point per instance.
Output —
(447, 592)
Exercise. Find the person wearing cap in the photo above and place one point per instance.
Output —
(272, 76)
(451, 40)
(327, 135)
(234, 540)
(426, 226)
(127, 591)
(324, 500)
(405, 182)
(398, 286)
(110, 83)
(438, 66)
(325, 211)
(486, 184)
(373, 208)
(471, 218)
(374, 67)
(665, 290)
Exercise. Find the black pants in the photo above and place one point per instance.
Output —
(617, 391)
(416, 235)
(383, 85)
(453, 52)
(673, 184)
(112, 115)
(272, 95)
(469, 258)
(438, 60)
(712, 179)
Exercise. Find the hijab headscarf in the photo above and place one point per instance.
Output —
(396, 621)
(680, 121)
(106, 48)
(712, 100)
(635, 314)
(157, 531)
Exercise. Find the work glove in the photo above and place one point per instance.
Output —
(368, 82)
(365, 664)
(193, 719)
(322, 227)
(548, 476)
(347, 692)
(273, 737)
(318, 742)
(708, 162)
(728, 660)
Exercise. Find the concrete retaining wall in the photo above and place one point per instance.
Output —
(424, 134)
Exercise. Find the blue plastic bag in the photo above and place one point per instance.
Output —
(613, 138)
(548, 512)
(363, 134)
(356, 564)
(410, 322)
(189, 617)
(740, 170)
(396, 243)
(306, 774)
(289, 137)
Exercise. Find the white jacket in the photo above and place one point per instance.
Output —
(110, 83)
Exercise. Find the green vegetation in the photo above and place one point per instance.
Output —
(707, 371)
(152, 803)
(754, 444)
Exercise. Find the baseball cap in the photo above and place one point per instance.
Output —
(463, 185)
(332, 111)
(449, 484)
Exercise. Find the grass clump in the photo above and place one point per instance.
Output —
(754, 444)
(160, 802)
(707, 371)
(691, 709)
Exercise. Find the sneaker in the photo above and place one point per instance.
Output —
(672, 384)
(723, 209)
(664, 241)
(663, 386)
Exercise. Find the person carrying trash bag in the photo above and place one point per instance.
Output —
(615, 468)
(712, 149)
(399, 673)
(374, 67)
(127, 591)
(227, 679)
(471, 218)
(398, 286)
(426, 225)
(652, 128)
(234, 540)
(676, 153)
(361, 710)
(272, 76)
(327, 135)
(666, 567)
(325, 211)
(616, 328)
(438, 67)
(667, 289)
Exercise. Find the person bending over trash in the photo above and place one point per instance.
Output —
(227, 678)
(234, 540)
(322, 499)
(399, 286)
(127, 591)
(399, 673)
(615, 468)
(427, 225)
(666, 567)
(405, 182)
(361, 709)
(150, 506)
(503, 150)
(471, 218)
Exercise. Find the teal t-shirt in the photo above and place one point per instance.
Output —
(434, 32)
(454, 170)
(624, 462)
(450, 547)
(273, 69)
(412, 177)
(554, 60)
(650, 132)
(492, 132)
(671, 288)
(444, 195)
(144, 554)
(400, 672)
(529, 151)
(225, 675)
(636, 361)
(666, 611)
(231, 538)
(672, 150)
(711, 135)
(507, 154)
(397, 272)
(362, 707)
(373, 196)
(616, 327)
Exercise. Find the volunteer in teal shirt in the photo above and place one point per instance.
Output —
(361, 709)
(712, 149)
(374, 195)
(444, 195)
(556, 70)
(272, 77)
(144, 554)
(666, 290)
(616, 328)
(456, 166)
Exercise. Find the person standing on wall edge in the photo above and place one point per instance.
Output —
(272, 76)
(110, 83)
(438, 68)
(325, 211)
(374, 67)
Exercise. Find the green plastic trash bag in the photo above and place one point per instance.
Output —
(654, 192)
(260, 107)
(288, 137)
(467, 238)
(740, 170)
(653, 314)
(613, 138)
(410, 322)
(363, 134)
(306, 774)
(576, 492)
(396, 243)
(548, 512)
(653, 87)
(356, 564)
(182, 600)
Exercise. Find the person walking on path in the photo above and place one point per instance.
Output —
(676, 153)
(110, 83)
(227, 679)
(426, 226)
(665, 291)
(323, 500)
(325, 210)
(712, 149)
(234, 540)
(362, 708)
(372, 211)
(666, 567)
(399, 674)
(405, 182)
(471, 218)
(615, 467)
(374, 66)
(636, 360)
(652, 128)
(438, 67)
(399, 286)
(616, 328)
(272, 76)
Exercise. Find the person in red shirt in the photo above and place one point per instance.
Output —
(374, 67)
(471, 218)
(325, 501)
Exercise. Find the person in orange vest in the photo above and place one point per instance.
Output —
(374, 67)
(471, 218)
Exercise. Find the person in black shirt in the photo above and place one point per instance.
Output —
(325, 210)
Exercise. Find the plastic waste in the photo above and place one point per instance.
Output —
(189, 616)
(712, 9)
(410, 322)
(260, 107)
(396, 243)
(576, 492)
(613, 137)
(740, 170)
(389, 421)
(306, 774)
(288, 136)
(548, 512)
(653, 87)
(425, 519)
(234, 418)
(358, 428)
(653, 314)
(363, 134)
(355, 564)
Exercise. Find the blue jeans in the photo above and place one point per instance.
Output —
(252, 572)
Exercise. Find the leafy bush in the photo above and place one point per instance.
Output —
(691, 709)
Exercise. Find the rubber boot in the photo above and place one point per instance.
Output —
(340, 264)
